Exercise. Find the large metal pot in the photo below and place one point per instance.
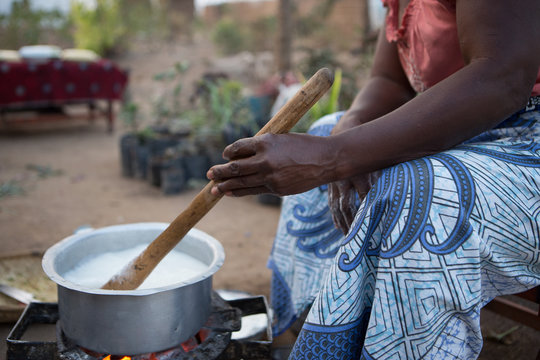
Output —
(135, 321)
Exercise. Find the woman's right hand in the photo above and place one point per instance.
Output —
(281, 164)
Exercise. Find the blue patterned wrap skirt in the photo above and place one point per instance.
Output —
(434, 240)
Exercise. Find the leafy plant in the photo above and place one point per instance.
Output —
(145, 134)
(311, 22)
(328, 104)
(325, 57)
(143, 20)
(130, 115)
(223, 98)
(229, 37)
(316, 58)
(44, 171)
(167, 106)
(228, 106)
(222, 115)
(257, 36)
(26, 26)
(10, 188)
(101, 28)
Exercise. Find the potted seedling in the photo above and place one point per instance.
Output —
(142, 151)
(172, 174)
(128, 141)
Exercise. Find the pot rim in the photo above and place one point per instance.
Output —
(48, 263)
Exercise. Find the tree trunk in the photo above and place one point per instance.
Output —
(366, 23)
(284, 48)
(180, 15)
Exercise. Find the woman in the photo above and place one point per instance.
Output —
(442, 147)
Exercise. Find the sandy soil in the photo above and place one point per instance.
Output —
(81, 185)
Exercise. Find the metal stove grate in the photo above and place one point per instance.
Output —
(217, 344)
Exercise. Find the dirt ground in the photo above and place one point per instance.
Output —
(91, 191)
(68, 172)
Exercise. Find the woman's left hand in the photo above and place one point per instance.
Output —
(343, 200)
(280, 164)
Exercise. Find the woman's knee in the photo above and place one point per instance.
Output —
(324, 125)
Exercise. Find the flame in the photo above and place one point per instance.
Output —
(108, 357)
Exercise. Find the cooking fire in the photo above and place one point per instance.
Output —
(213, 341)
(183, 348)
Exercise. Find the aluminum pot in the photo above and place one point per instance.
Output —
(135, 321)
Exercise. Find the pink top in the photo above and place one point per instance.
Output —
(427, 41)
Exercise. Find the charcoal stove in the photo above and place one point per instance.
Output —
(213, 341)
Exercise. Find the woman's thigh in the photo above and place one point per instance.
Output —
(434, 240)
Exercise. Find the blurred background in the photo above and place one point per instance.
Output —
(111, 111)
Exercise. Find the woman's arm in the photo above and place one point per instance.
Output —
(499, 41)
(386, 89)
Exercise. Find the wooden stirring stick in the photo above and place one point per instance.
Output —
(134, 273)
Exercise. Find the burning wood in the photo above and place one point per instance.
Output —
(185, 347)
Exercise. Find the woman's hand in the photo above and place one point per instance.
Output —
(342, 193)
(343, 201)
(342, 198)
(280, 164)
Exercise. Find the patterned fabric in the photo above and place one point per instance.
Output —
(305, 245)
(434, 241)
(57, 81)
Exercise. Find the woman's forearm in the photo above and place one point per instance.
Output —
(473, 100)
(502, 58)
(386, 89)
(379, 96)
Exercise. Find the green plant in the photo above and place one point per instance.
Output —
(143, 20)
(221, 114)
(145, 134)
(257, 36)
(325, 57)
(167, 106)
(228, 106)
(316, 58)
(10, 188)
(311, 22)
(130, 115)
(26, 26)
(44, 171)
(229, 37)
(101, 28)
(223, 98)
(328, 104)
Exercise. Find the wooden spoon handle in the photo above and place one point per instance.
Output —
(134, 273)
